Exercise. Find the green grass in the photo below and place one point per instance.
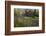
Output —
(25, 22)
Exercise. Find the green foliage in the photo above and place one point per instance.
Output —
(26, 21)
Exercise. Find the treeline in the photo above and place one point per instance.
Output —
(32, 13)
(27, 12)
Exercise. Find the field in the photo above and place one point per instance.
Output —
(26, 17)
